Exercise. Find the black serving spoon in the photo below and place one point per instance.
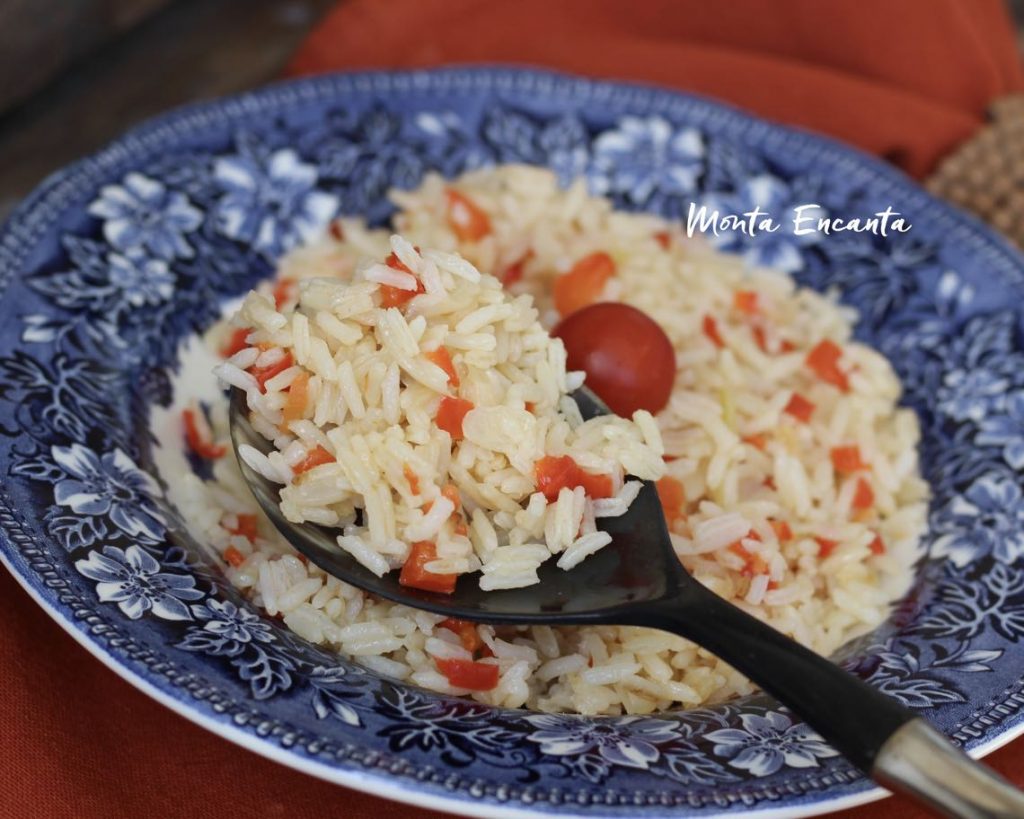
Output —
(637, 580)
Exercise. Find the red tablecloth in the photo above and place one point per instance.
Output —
(907, 80)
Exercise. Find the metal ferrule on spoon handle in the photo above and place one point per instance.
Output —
(919, 760)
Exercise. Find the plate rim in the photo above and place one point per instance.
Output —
(287, 93)
(369, 783)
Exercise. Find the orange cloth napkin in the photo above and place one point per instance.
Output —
(906, 80)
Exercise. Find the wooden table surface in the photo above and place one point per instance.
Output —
(190, 50)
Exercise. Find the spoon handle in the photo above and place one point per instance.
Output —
(919, 761)
(872, 730)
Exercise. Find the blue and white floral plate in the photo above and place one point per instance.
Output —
(112, 263)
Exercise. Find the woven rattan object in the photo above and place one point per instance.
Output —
(985, 175)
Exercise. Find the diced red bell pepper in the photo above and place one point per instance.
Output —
(864, 497)
(710, 327)
(583, 284)
(826, 546)
(877, 546)
(673, 499)
(746, 302)
(823, 359)
(782, 530)
(664, 239)
(234, 557)
(595, 486)
(466, 631)
(394, 262)
(412, 478)
(415, 575)
(298, 395)
(196, 441)
(469, 674)
(451, 491)
(284, 291)
(236, 342)
(846, 459)
(450, 414)
(468, 221)
(753, 563)
(246, 527)
(313, 459)
(264, 374)
(760, 338)
(443, 359)
(553, 472)
(514, 272)
(396, 296)
(799, 407)
(758, 441)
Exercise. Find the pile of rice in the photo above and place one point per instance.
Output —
(759, 508)
(371, 399)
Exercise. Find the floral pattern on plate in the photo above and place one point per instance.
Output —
(116, 261)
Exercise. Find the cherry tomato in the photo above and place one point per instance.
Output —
(627, 357)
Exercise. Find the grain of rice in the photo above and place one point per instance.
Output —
(232, 376)
(718, 532)
(244, 359)
(582, 548)
(361, 551)
(382, 274)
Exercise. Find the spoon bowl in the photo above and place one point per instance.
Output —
(637, 580)
(634, 568)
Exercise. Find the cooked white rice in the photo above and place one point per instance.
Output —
(398, 474)
(768, 521)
